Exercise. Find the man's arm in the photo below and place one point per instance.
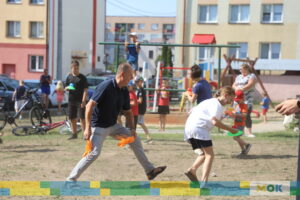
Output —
(140, 100)
(250, 84)
(129, 118)
(84, 97)
(192, 98)
(88, 116)
(126, 46)
(137, 47)
(288, 107)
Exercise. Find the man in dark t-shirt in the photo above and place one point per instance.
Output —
(142, 101)
(45, 81)
(102, 111)
(77, 87)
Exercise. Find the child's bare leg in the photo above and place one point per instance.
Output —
(209, 157)
(164, 122)
(146, 131)
(265, 118)
(160, 121)
(197, 163)
(240, 141)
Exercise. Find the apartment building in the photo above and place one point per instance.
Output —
(265, 29)
(76, 26)
(149, 29)
(23, 33)
(38, 34)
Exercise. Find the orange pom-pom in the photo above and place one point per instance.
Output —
(125, 140)
(88, 148)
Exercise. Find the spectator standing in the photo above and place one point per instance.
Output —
(163, 104)
(142, 101)
(60, 92)
(77, 97)
(45, 81)
(18, 97)
(246, 82)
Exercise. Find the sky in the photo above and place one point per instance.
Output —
(141, 8)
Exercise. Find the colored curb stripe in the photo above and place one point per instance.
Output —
(148, 188)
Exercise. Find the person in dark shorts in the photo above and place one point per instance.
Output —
(45, 81)
(142, 101)
(163, 105)
(201, 120)
(77, 97)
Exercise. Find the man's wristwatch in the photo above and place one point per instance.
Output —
(298, 103)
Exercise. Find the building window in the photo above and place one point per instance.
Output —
(241, 52)
(107, 26)
(13, 1)
(154, 27)
(239, 13)
(208, 13)
(36, 63)
(141, 26)
(37, 2)
(36, 29)
(168, 28)
(270, 50)
(206, 53)
(151, 53)
(154, 36)
(141, 37)
(272, 13)
(13, 29)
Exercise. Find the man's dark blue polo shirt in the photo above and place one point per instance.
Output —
(110, 100)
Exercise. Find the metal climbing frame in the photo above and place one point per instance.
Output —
(118, 44)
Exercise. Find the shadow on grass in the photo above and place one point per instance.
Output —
(249, 157)
(35, 150)
(281, 135)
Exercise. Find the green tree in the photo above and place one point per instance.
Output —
(166, 59)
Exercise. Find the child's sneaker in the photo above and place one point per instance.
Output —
(247, 148)
(149, 141)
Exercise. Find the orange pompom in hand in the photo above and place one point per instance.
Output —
(125, 140)
(88, 148)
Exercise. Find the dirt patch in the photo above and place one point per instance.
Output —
(52, 157)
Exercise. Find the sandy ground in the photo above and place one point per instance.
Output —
(51, 157)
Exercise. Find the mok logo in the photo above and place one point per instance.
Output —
(269, 188)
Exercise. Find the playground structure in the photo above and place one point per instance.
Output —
(207, 73)
(251, 63)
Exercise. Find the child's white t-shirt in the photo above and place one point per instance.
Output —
(199, 123)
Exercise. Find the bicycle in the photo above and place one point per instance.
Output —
(38, 114)
(44, 128)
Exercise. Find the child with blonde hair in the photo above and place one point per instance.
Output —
(201, 120)
(60, 92)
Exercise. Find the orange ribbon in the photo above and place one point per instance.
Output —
(88, 148)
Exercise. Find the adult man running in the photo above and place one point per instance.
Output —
(101, 115)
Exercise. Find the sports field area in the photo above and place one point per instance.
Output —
(51, 157)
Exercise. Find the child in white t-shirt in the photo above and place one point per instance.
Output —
(202, 119)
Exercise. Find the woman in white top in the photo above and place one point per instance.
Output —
(246, 82)
(202, 119)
